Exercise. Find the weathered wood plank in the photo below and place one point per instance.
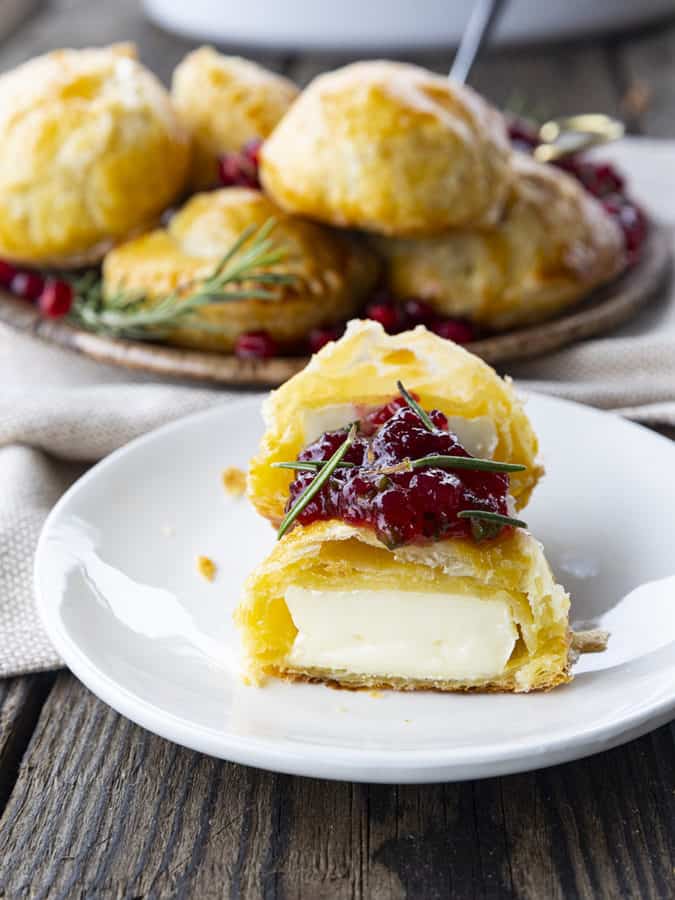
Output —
(102, 808)
(21, 700)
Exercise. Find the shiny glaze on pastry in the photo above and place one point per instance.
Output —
(225, 101)
(334, 271)
(389, 147)
(552, 246)
(90, 152)
(361, 370)
(327, 556)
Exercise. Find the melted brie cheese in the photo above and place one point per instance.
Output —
(478, 436)
(409, 634)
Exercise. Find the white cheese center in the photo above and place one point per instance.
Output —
(478, 436)
(410, 634)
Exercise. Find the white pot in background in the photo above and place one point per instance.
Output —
(379, 24)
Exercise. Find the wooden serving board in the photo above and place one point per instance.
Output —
(601, 311)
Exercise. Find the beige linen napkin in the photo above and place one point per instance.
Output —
(60, 412)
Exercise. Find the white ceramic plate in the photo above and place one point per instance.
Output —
(121, 598)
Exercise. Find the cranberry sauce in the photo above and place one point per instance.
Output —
(601, 180)
(403, 507)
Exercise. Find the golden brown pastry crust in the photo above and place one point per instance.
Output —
(334, 271)
(225, 101)
(332, 553)
(390, 148)
(90, 152)
(362, 368)
(553, 245)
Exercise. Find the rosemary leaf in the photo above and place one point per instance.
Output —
(486, 516)
(414, 405)
(466, 462)
(315, 486)
(309, 465)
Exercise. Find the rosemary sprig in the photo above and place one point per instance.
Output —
(487, 525)
(309, 465)
(439, 461)
(466, 462)
(414, 405)
(241, 274)
(315, 486)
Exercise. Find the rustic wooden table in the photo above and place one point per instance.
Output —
(93, 806)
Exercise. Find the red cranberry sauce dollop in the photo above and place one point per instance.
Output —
(602, 181)
(405, 507)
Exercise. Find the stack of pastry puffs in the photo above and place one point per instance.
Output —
(378, 173)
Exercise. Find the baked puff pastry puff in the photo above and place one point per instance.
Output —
(390, 148)
(91, 151)
(404, 569)
(552, 246)
(360, 371)
(333, 272)
(225, 101)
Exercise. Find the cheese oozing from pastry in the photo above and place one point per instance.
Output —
(408, 634)
(478, 436)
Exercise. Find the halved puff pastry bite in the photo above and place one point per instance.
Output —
(399, 562)
(331, 603)
(359, 373)
(91, 151)
(391, 148)
(330, 273)
(226, 101)
(553, 244)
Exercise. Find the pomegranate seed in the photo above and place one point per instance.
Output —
(236, 169)
(28, 285)
(319, 337)
(387, 315)
(251, 151)
(456, 330)
(418, 313)
(7, 273)
(522, 135)
(56, 299)
(255, 345)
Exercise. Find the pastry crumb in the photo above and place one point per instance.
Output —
(342, 709)
(376, 694)
(407, 721)
(168, 530)
(594, 640)
(206, 567)
(234, 481)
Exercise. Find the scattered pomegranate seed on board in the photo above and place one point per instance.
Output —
(56, 299)
(255, 345)
(28, 285)
(7, 273)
